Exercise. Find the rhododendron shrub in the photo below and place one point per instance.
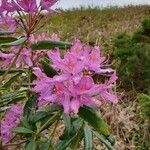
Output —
(46, 82)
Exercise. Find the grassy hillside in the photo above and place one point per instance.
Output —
(95, 25)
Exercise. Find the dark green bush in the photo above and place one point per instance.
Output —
(132, 54)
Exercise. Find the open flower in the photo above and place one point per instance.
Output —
(72, 87)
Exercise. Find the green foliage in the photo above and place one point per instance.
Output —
(14, 42)
(93, 118)
(88, 140)
(50, 45)
(132, 54)
(144, 102)
(48, 69)
(5, 33)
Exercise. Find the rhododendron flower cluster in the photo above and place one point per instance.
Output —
(27, 57)
(10, 121)
(10, 8)
(74, 86)
(29, 6)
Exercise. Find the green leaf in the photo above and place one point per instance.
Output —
(3, 109)
(69, 136)
(2, 71)
(6, 33)
(30, 106)
(88, 138)
(48, 69)
(40, 115)
(67, 121)
(50, 121)
(25, 123)
(104, 140)
(11, 80)
(22, 130)
(31, 146)
(93, 118)
(7, 39)
(50, 45)
(64, 143)
(15, 43)
(12, 97)
(45, 145)
(74, 145)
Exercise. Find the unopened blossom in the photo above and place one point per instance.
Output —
(10, 121)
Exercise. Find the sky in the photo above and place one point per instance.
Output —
(67, 4)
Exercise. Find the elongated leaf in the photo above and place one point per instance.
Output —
(6, 33)
(30, 106)
(40, 115)
(7, 39)
(50, 121)
(111, 140)
(31, 146)
(64, 143)
(76, 142)
(11, 80)
(67, 139)
(50, 45)
(104, 140)
(22, 130)
(3, 109)
(48, 69)
(67, 121)
(88, 138)
(15, 43)
(89, 115)
(2, 71)
(12, 97)
(25, 123)
(45, 145)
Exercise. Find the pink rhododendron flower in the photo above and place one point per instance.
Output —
(9, 6)
(23, 59)
(6, 59)
(73, 88)
(10, 121)
(29, 6)
(46, 4)
(7, 20)
(79, 58)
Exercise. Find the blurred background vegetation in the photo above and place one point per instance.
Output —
(124, 34)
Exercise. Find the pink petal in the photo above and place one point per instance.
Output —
(74, 105)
